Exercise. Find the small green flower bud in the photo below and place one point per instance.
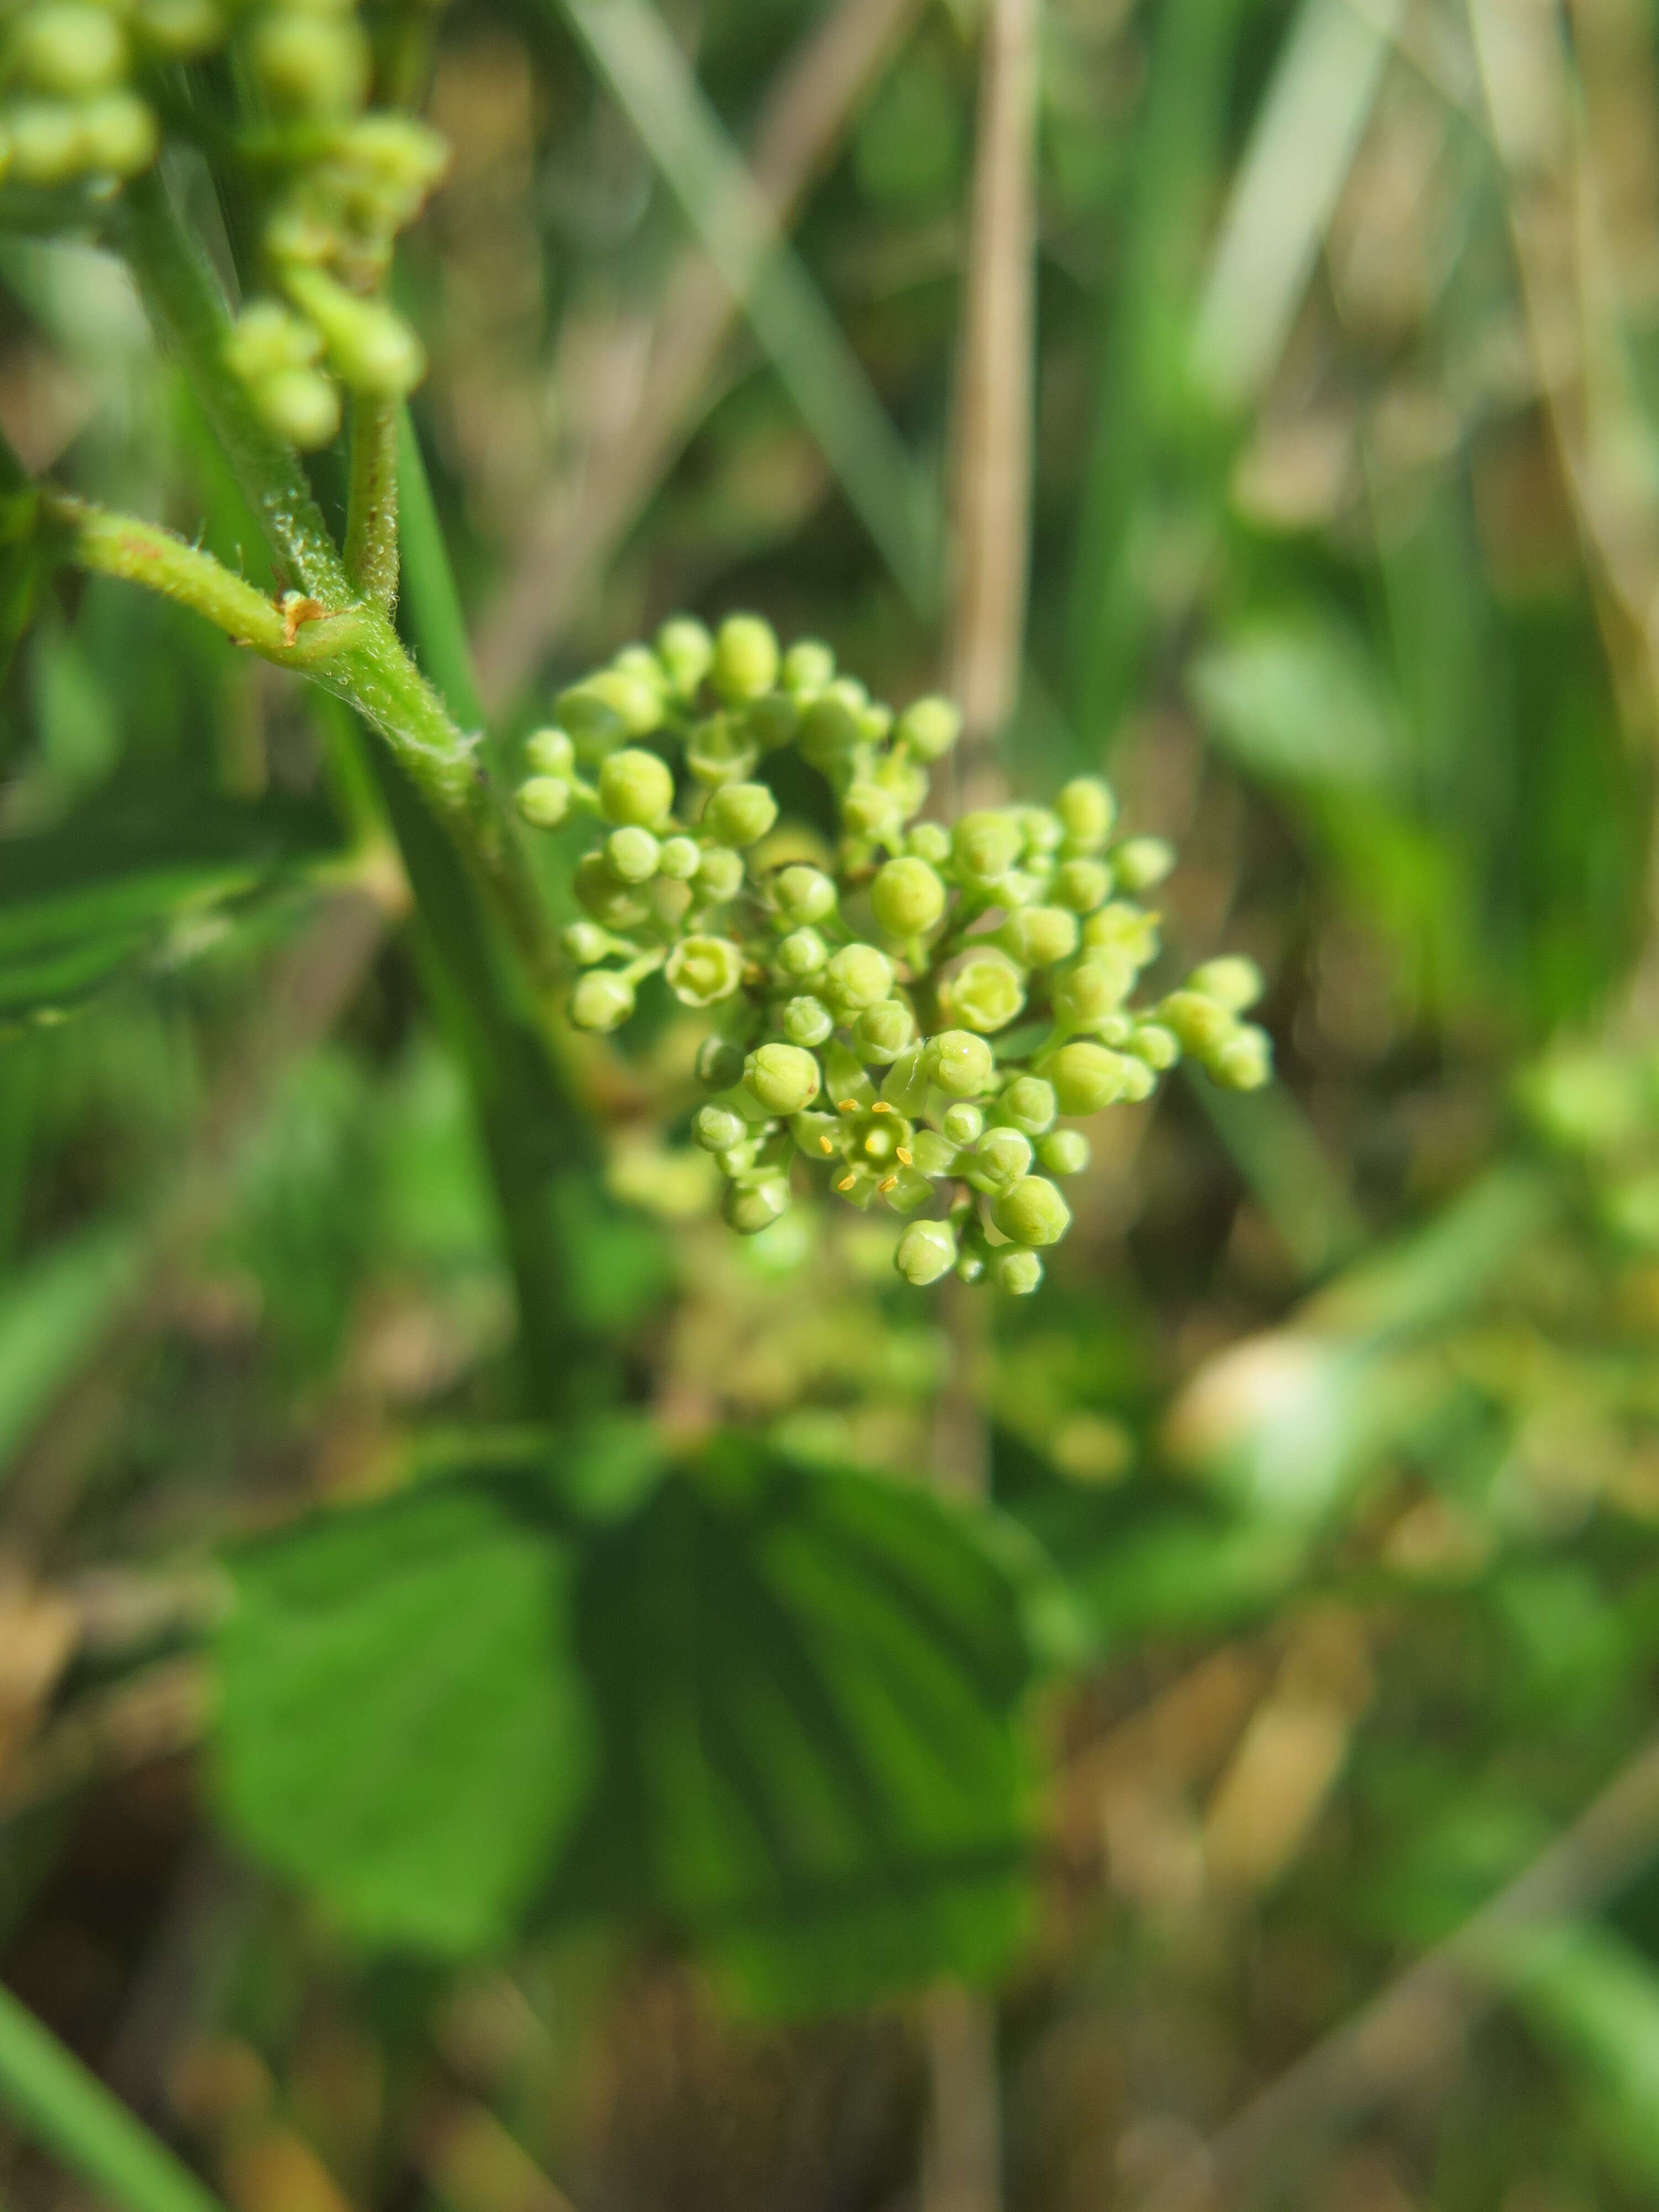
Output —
(299, 404)
(599, 894)
(927, 1251)
(584, 943)
(544, 801)
(601, 1001)
(1092, 993)
(859, 976)
(720, 1063)
(970, 1268)
(717, 1128)
(1235, 983)
(1003, 1156)
(803, 894)
(636, 698)
(1245, 1062)
(310, 65)
(1064, 1152)
(1150, 1041)
(808, 667)
(929, 842)
(720, 874)
(960, 1063)
(1087, 1077)
(703, 970)
(875, 722)
(933, 1155)
(1201, 1024)
(639, 663)
(908, 783)
(632, 854)
(906, 1191)
(962, 1125)
(784, 1078)
(828, 732)
(1143, 862)
(802, 953)
(985, 846)
(68, 48)
(1126, 930)
(636, 788)
(771, 721)
(929, 727)
(986, 993)
(1037, 936)
(1087, 813)
(807, 1021)
(369, 344)
(179, 29)
(1082, 885)
(593, 722)
(750, 1207)
(741, 813)
(681, 858)
(550, 752)
(745, 658)
(1041, 830)
(1015, 1271)
(1032, 1211)
(1029, 1103)
(44, 140)
(908, 897)
(721, 750)
(882, 1032)
(687, 652)
(870, 810)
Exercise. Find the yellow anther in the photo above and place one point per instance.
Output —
(847, 1183)
(847, 1106)
(824, 1145)
(907, 1158)
(891, 1183)
(881, 1106)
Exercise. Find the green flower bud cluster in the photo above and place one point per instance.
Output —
(335, 182)
(917, 1014)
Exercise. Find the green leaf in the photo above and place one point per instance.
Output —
(808, 1684)
(400, 1726)
(130, 878)
(49, 1312)
(1594, 2001)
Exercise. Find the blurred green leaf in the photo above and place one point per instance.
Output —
(49, 1312)
(808, 1684)
(400, 1725)
(1595, 2001)
(133, 877)
(1299, 702)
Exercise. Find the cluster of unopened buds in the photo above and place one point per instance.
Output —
(921, 1016)
(84, 94)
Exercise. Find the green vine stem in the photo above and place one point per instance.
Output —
(364, 664)
(371, 546)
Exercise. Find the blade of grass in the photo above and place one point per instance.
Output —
(1286, 189)
(991, 462)
(589, 508)
(70, 2113)
(1141, 412)
(635, 53)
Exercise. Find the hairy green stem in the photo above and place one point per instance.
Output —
(371, 546)
(370, 670)
(66, 2110)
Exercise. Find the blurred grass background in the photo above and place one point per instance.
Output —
(1340, 1412)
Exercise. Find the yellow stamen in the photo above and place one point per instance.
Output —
(891, 1183)
(847, 1183)
(907, 1158)
(824, 1145)
(847, 1106)
(881, 1106)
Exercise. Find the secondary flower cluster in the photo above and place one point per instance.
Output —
(922, 1015)
(87, 88)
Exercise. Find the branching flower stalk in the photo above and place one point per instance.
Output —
(920, 1011)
